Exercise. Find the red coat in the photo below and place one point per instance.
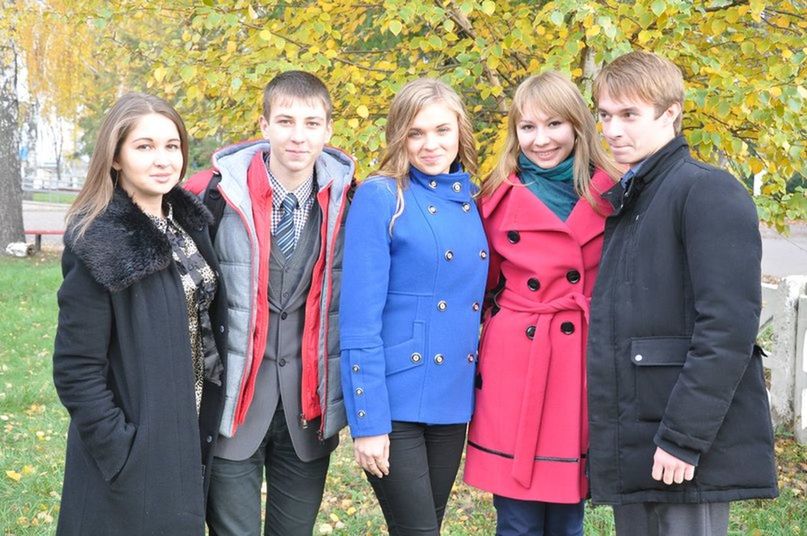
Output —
(529, 434)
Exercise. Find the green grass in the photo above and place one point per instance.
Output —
(65, 198)
(33, 426)
(32, 421)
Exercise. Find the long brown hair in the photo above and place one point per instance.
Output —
(101, 179)
(555, 95)
(408, 102)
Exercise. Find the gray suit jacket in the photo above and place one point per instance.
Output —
(279, 376)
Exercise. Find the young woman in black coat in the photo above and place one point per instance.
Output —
(139, 352)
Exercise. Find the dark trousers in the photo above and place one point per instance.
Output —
(423, 463)
(662, 519)
(293, 489)
(515, 517)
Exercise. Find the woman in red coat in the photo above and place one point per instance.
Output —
(544, 219)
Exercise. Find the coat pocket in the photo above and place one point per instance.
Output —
(408, 354)
(657, 363)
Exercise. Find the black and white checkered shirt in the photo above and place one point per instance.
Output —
(305, 200)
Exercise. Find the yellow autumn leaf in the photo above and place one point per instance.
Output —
(363, 111)
(14, 475)
(643, 37)
(27, 469)
(593, 30)
(395, 26)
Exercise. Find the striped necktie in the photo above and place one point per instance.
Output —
(284, 234)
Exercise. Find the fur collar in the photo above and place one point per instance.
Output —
(122, 245)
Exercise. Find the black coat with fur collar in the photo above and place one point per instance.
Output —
(136, 451)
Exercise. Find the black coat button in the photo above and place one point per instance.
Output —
(533, 284)
(530, 332)
(573, 276)
(282, 362)
(284, 315)
(567, 328)
(513, 237)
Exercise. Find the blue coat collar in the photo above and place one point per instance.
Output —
(455, 185)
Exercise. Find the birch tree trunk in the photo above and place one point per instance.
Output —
(11, 225)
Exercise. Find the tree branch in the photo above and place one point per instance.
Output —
(735, 3)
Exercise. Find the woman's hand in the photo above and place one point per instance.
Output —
(372, 454)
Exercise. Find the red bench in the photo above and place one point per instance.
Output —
(37, 233)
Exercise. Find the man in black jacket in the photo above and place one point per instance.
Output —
(679, 415)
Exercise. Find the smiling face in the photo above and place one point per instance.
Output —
(149, 161)
(297, 131)
(547, 140)
(633, 128)
(432, 141)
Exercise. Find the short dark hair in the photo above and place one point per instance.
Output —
(650, 77)
(296, 85)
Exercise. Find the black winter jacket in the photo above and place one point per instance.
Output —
(122, 365)
(671, 355)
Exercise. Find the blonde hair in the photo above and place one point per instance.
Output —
(408, 102)
(554, 95)
(645, 76)
(102, 178)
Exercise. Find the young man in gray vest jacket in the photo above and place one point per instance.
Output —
(279, 241)
(679, 416)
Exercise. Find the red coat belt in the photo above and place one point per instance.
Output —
(532, 405)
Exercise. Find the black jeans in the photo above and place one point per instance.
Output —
(515, 517)
(424, 460)
(293, 494)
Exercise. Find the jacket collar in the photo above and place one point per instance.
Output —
(651, 168)
(123, 245)
(656, 162)
(522, 211)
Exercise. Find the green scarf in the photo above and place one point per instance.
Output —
(553, 186)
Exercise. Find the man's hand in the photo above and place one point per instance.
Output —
(670, 469)
(372, 454)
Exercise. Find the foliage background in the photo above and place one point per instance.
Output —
(743, 61)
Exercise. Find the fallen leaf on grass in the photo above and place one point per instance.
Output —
(45, 517)
(35, 409)
(14, 475)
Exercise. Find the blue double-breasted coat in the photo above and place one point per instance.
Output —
(411, 301)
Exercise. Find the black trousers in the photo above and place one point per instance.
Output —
(671, 519)
(294, 489)
(424, 460)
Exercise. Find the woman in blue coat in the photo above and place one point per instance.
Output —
(415, 266)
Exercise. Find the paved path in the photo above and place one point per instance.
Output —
(781, 255)
(44, 216)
